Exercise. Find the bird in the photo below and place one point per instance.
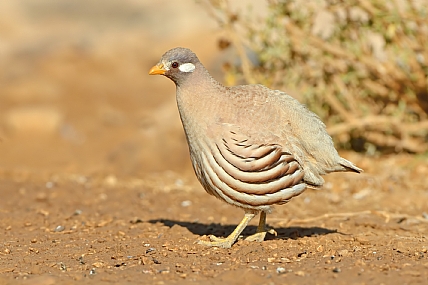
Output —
(250, 146)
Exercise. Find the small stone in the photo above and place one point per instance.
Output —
(271, 259)
(110, 180)
(362, 240)
(336, 270)
(280, 270)
(285, 259)
(62, 266)
(136, 221)
(186, 203)
(150, 249)
(97, 264)
(32, 249)
(59, 229)
(362, 194)
(81, 260)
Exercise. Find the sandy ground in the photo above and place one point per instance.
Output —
(96, 184)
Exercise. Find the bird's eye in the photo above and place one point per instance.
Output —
(174, 64)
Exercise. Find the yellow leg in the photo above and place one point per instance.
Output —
(227, 242)
(260, 235)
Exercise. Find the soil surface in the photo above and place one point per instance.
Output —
(97, 188)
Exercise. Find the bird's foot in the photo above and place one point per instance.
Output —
(272, 232)
(214, 238)
(260, 236)
(218, 242)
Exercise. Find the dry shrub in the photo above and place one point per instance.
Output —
(361, 65)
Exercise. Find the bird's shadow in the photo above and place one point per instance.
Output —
(224, 230)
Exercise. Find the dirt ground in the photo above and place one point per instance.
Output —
(96, 185)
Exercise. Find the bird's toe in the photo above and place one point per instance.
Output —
(217, 242)
(258, 237)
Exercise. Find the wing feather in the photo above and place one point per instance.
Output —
(252, 174)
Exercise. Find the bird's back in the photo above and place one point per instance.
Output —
(272, 116)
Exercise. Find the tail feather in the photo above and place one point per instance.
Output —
(349, 166)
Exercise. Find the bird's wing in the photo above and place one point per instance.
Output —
(252, 173)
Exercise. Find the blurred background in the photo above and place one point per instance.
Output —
(75, 95)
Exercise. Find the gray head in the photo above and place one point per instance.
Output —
(177, 64)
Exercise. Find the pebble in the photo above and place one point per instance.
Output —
(59, 229)
(362, 194)
(110, 180)
(186, 203)
(280, 270)
(97, 264)
(336, 270)
(150, 249)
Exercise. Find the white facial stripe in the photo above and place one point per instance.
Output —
(187, 67)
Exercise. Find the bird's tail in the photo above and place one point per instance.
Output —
(349, 166)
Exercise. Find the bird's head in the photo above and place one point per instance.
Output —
(177, 64)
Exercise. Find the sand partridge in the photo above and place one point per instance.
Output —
(250, 146)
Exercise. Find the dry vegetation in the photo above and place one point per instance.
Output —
(361, 65)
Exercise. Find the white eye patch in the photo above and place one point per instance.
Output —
(187, 67)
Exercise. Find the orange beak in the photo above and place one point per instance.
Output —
(157, 69)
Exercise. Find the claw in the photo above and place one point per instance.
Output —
(272, 232)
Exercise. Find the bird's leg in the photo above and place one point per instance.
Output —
(227, 242)
(260, 235)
